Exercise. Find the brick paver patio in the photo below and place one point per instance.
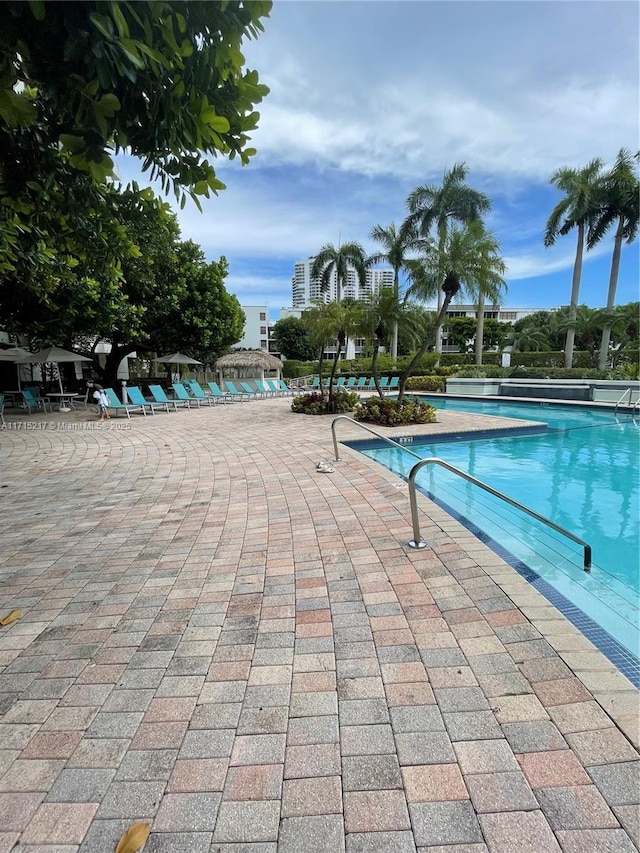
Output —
(221, 641)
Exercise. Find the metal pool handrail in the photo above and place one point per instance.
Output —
(368, 429)
(418, 542)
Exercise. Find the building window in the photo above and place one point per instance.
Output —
(263, 316)
(509, 315)
(263, 330)
(263, 344)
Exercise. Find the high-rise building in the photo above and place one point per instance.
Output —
(305, 290)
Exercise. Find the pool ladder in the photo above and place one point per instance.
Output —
(418, 541)
(635, 407)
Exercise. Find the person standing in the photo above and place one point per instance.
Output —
(102, 401)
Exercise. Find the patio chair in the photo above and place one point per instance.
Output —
(198, 392)
(351, 382)
(280, 387)
(117, 406)
(341, 381)
(266, 388)
(231, 389)
(182, 394)
(157, 392)
(361, 384)
(384, 383)
(394, 383)
(136, 396)
(315, 382)
(219, 394)
(253, 392)
(32, 400)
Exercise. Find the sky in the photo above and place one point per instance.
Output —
(371, 99)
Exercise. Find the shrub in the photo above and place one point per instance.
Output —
(388, 412)
(426, 383)
(319, 404)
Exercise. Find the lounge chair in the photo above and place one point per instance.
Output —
(253, 392)
(384, 383)
(32, 400)
(394, 383)
(361, 384)
(136, 396)
(157, 392)
(219, 394)
(341, 381)
(286, 389)
(315, 382)
(280, 387)
(198, 392)
(182, 394)
(351, 382)
(265, 388)
(117, 406)
(238, 395)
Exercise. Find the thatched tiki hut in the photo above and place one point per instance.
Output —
(248, 364)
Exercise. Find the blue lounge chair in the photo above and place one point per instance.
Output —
(315, 382)
(182, 394)
(198, 392)
(238, 395)
(136, 396)
(362, 381)
(157, 392)
(280, 387)
(384, 383)
(351, 382)
(252, 392)
(280, 383)
(219, 394)
(32, 400)
(394, 383)
(265, 388)
(117, 406)
(341, 381)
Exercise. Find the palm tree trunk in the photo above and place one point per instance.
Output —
(575, 292)
(480, 328)
(611, 295)
(394, 333)
(374, 366)
(428, 341)
(441, 243)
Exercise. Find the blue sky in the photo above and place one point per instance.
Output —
(370, 99)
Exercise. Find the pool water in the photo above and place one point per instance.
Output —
(581, 472)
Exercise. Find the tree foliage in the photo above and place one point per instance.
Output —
(292, 339)
(164, 80)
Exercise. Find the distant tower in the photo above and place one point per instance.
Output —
(305, 289)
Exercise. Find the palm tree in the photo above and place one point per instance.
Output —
(578, 208)
(470, 260)
(331, 261)
(382, 315)
(619, 204)
(432, 207)
(492, 261)
(397, 245)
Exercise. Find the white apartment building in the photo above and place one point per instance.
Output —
(256, 328)
(491, 312)
(305, 289)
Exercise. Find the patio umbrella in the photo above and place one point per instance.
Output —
(53, 355)
(14, 354)
(177, 358)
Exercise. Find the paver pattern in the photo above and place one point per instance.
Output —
(222, 641)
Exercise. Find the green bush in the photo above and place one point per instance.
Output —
(388, 412)
(426, 383)
(316, 403)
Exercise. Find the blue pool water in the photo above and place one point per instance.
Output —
(581, 471)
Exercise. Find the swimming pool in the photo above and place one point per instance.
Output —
(581, 471)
